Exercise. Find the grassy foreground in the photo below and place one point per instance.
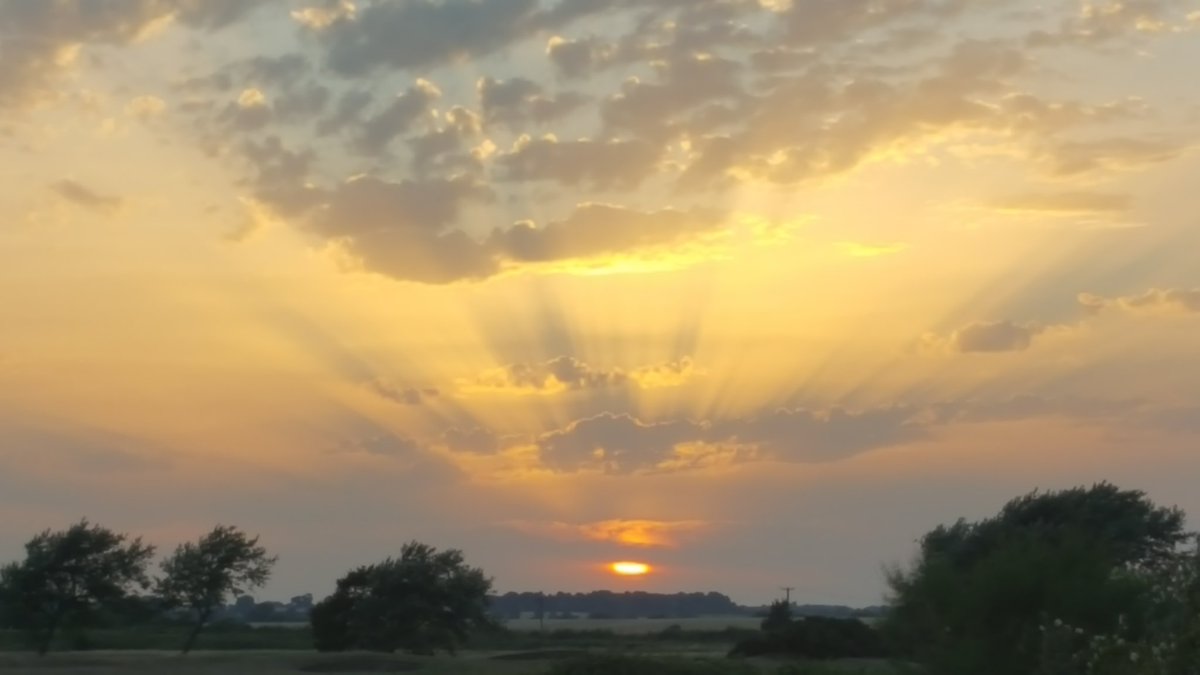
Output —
(468, 663)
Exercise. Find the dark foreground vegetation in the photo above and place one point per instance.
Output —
(1088, 581)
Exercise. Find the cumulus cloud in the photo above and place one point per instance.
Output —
(39, 41)
(987, 337)
(378, 132)
(1107, 21)
(426, 33)
(710, 99)
(409, 229)
(444, 148)
(584, 163)
(629, 533)
(579, 58)
(519, 102)
(603, 229)
(81, 195)
(1155, 299)
(653, 109)
(994, 336)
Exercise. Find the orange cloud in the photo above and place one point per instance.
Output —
(631, 533)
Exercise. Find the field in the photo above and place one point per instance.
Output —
(695, 646)
(293, 663)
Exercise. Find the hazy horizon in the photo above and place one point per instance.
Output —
(756, 292)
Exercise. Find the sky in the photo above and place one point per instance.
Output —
(753, 291)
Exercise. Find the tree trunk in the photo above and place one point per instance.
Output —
(44, 645)
(191, 639)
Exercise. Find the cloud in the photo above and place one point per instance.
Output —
(381, 444)
(1107, 21)
(443, 149)
(63, 450)
(1065, 203)
(654, 109)
(423, 33)
(145, 107)
(624, 444)
(472, 440)
(520, 102)
(994, 337)
(987, 337)
(409, 396)
(629, 533)
(822, 23)
(1155, 299)
(1071, 158)
(567, 373)
(409, 228)
(603, 229)
(316, 18)
(398, 117)
(81, 195)
(818, 123)
(579, 58)
(583, 163)
(40, 41)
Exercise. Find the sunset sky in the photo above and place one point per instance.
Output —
(754, 291)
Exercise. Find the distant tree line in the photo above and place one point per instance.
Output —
(644, 605)
(612, 605)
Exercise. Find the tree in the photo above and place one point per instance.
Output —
(68, 575)
(423, 601)
(779, 617)
(980, 595)
(199, 576)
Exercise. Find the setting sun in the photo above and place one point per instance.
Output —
(630, 569)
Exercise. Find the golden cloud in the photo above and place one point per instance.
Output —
(630, 533)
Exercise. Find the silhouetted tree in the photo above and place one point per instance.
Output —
(420, 602)
(779, 617)
(979, 595)
(68, 575)
(199, 576)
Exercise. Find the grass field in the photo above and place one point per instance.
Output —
(694, 646)
(638, 626)
(291, 662)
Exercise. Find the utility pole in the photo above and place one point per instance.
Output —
(787, 594)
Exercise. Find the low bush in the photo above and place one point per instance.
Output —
(815, 638)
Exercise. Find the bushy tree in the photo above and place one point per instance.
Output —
(980, 594)
(68, 575)
(779, 617)
(199, 575)
(1163, 641)
(423, 601)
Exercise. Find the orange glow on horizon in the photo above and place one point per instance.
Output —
(630, 569)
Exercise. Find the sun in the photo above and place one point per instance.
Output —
(630, 569)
